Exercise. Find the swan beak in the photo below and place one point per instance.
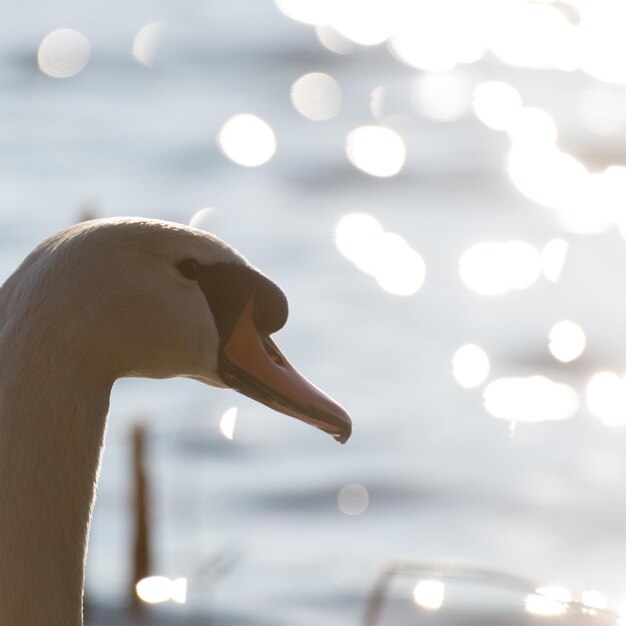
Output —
(252, 364)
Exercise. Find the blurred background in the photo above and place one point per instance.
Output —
(440, 189)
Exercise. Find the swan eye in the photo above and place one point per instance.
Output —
(189, 268)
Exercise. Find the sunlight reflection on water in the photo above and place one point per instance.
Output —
(451, 593)
(589, 201)
(316, 96)
(550, 600)
(470, 365)
(228, 421)
(567, 341)
(553, 256)
(594, 599)
(146, 43)
(602, 44)
(63, 53)
(306, 11)
(365, 22)
(387, 257)
(554, 37)
(333, 40)
(532, 399)
(532, 127)
(443, 97)
(377, 101)
(496, 104)
(601, 111)
(247, 140)
(437, 36)
(606, 398)
(159, 589)
(494, 268)
(200, 218)
(376, 150)
(425, 35)
(429, 594)
(353, 499)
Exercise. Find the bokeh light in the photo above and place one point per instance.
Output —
(496, 104)
(200, 218)
(523, 264)
(377, 101)
(366, 22)
(429, 594)
(548, 175)
(356, 236)
(387, 257)
(494, 268)
(532, 126)
(158, 589)
(306, 11)
(424, 51)
(532, 399)
(548, 601)
(601, 111)
(542, 172)
(594, 599)
(63, 53)
(247, 140)
(553, 256)
(146, 42)
(228, 421)
(438, 36)
(567, 341)
(602, 44)
(481, 269)
(470, 365)
(400, 269)
(334, 41)
(376, 150)
(353, 499)
(435, 37)
(316, 96)
(606, 398)
(554, 38)
(443, 97)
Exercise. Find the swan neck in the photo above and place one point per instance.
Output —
(52, 425)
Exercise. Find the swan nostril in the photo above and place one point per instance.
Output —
(189, 268)
(273, 353)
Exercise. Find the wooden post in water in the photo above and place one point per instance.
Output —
(142, 562)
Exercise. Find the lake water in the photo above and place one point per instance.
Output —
(254, 523)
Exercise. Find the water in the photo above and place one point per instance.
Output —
(445, 479)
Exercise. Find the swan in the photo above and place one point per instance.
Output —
(105, 299)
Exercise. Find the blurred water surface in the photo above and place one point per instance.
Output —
(430, 473)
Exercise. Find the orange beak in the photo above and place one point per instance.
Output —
(251, 363)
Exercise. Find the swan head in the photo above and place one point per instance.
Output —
(146, 298)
